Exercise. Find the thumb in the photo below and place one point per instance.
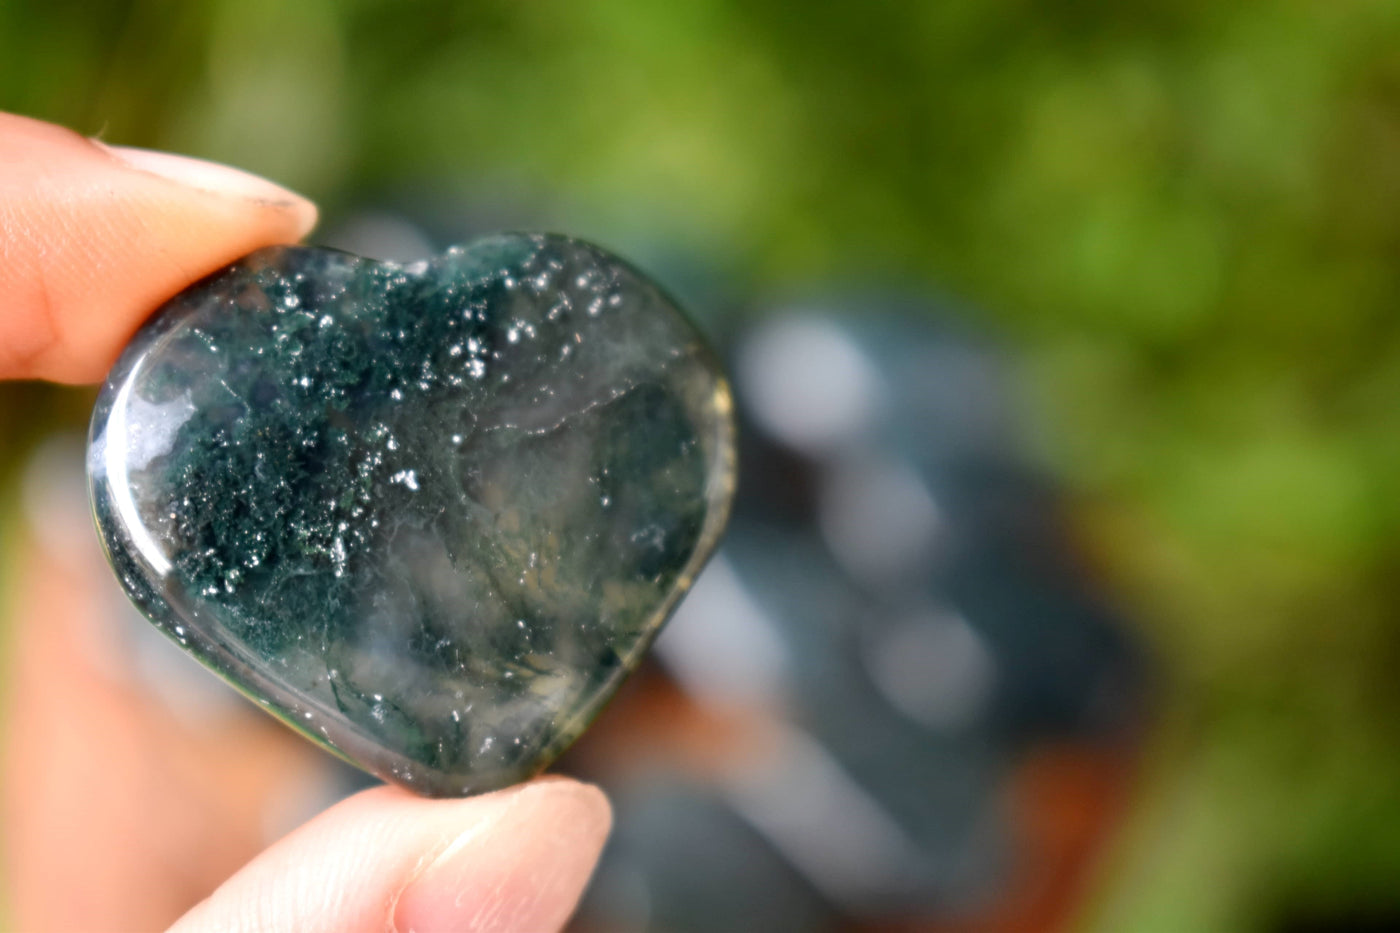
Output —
(93, 238)
(515, 860)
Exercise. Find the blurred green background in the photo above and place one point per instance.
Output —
(1183, 217)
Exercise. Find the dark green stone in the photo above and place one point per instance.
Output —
(429, 515)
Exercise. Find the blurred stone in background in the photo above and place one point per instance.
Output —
(932, 715)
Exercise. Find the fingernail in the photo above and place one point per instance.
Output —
(217, 179)
(523, 870)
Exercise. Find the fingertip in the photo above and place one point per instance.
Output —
(95, 237)
(524, 868)
(516, 859)
(222, 181)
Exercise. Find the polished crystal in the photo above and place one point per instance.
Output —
(430, 515)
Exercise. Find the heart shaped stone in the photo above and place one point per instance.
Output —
(431, 516)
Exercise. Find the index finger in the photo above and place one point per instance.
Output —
(93, 238)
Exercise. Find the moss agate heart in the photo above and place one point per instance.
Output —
(430, 515)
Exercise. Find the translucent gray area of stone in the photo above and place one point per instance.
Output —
(430, 515)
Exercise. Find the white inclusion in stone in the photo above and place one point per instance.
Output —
(408, 478)
(809, 384)
(338, 556)
(148, 430)
(136, 434)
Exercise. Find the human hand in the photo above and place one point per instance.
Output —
(91, 240)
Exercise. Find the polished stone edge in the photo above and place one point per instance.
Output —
(354, 748)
